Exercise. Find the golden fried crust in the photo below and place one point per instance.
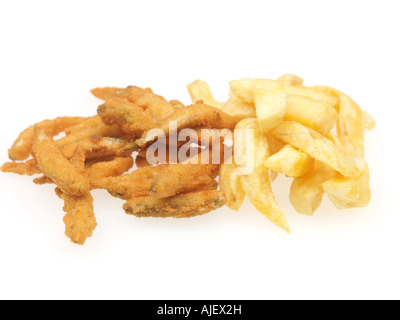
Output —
(161, 181)
(99, 147)
(29, 167)
(94, 127)
(179, 178)
(146, 99)
(101, 170)
(80, 221)
(22, 146)
(181, 206)
(109, 92)
(130, 117)
(55, 166)
(197, 115)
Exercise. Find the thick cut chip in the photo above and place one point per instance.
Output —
(184, 205)
(306, 192)
(238, 108)
(369, 121)
(348, 192)
(257, 184)
(229, 182)
(268, 96)
(199, 90)
(290, 162)
(290, 80)
(317, 146)
(317, 115)
(314, 94)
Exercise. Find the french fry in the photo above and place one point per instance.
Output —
(229, 182)
(268, 96)
(317, 115)
(199, 90)
(257, 185)
(238, 108)
(290, 80)
(348, 192)
(290, 162)
(314, 94)
(369, 121)
(316, 145)
(306, 192)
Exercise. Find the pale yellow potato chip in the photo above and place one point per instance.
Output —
(290, 162)
(348, 192)
(313, 93)
(200, 90)
(257, 184)
(369, 121)
(268, 96)
(290, 80)
(238, 108)
(229, 183)
(306, 192)
(316, 145)
(317, 115)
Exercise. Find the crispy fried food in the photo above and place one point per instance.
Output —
(54, 165)
(42, 180)
(80, 221)
(95, 127)
(180, 178)
(28, 167)
(184, 205)
(161, 181)
(257, 184)
(268, 96)
(231, 185)
(130, 117)
(98, 147)
(22, 147)
(158, 107)
(290, 80)
(104, 169)
(290, 162)
(306, 191)
(199, 90)
(109, 92)
(197, 115)
(78, 160)
(316, 145)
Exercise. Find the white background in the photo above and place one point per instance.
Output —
(53, 53)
